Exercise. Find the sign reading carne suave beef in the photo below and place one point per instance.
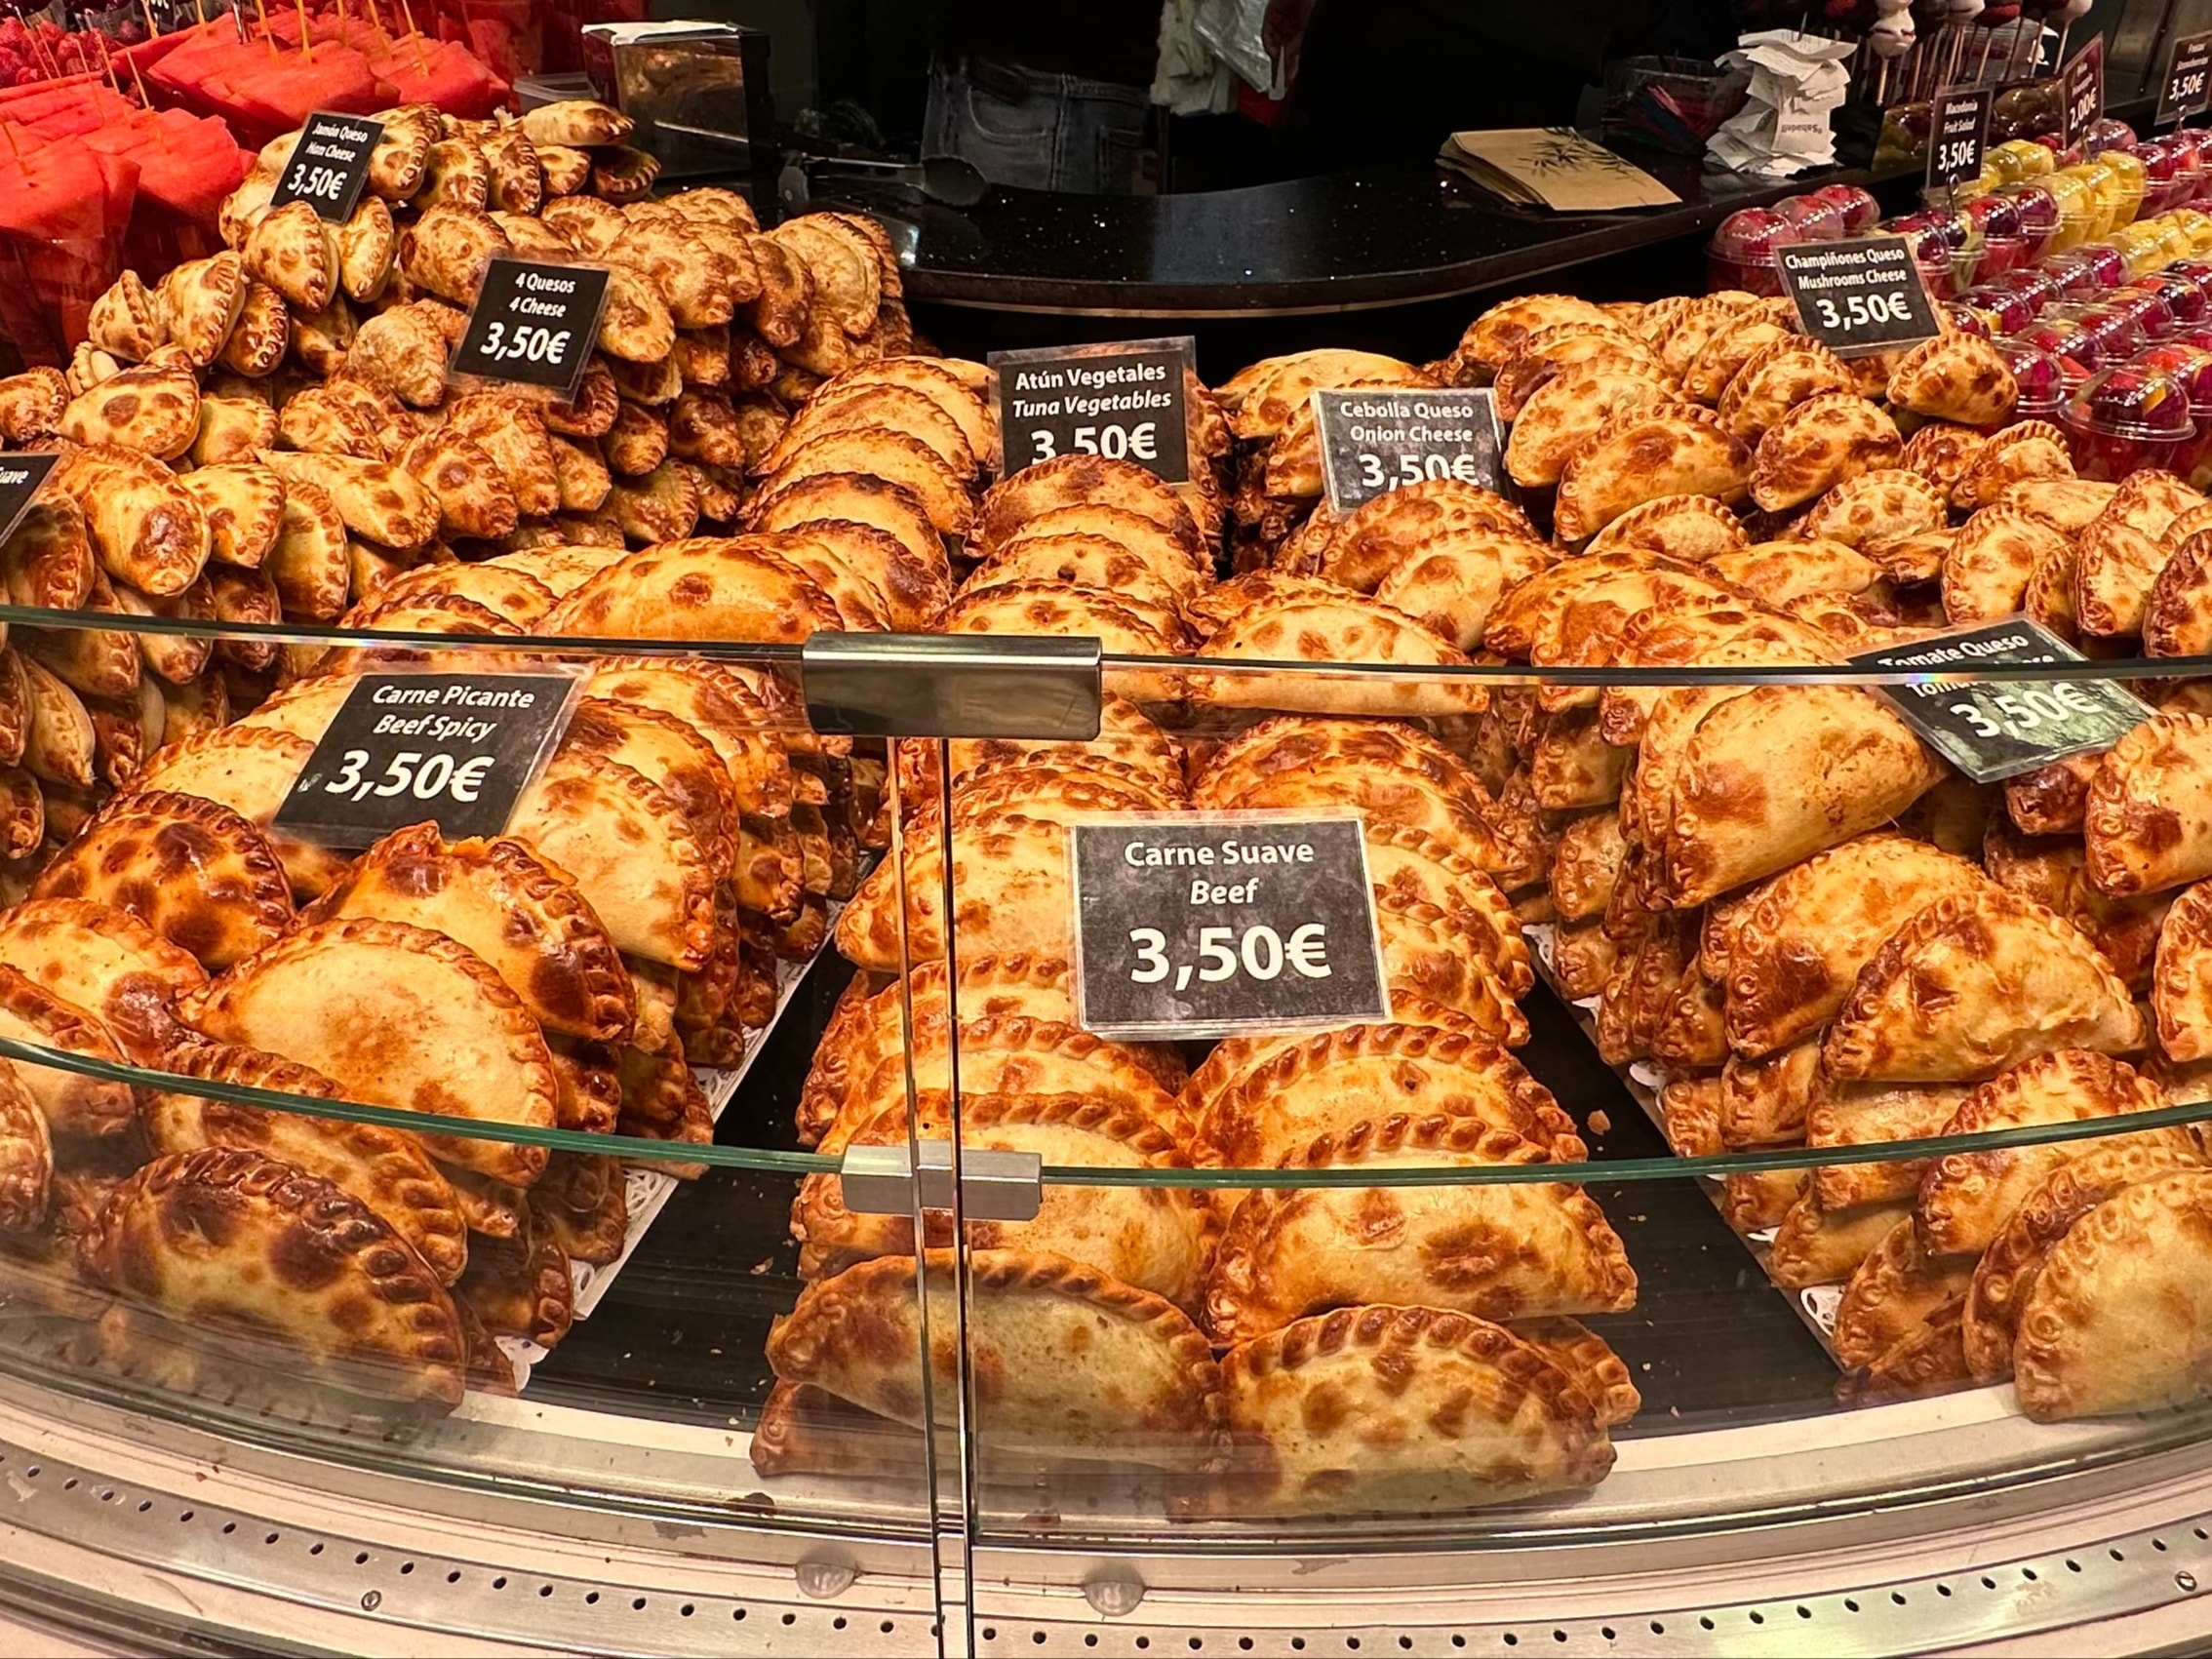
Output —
(21, 478)
(1204, 925)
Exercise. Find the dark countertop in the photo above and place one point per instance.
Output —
(1381, 236)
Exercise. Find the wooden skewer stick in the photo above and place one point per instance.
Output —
(261, 11)
(408, 12)
(306, 45)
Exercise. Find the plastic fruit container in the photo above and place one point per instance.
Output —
(1967, 320)
(2141, 248)
(2164, 186)
(1816, 220)
(2184, 297)
(2127, 180)
(1860, 210)
(2107, 264)
(2149, 307)
(2004, 236)
(1740, 252)
(2109, 137)
(2125, 418)
(2008, 310)
(2118, 336)
(2076, 205)
(2042, 380)
(1945, 245)
(2191, 366)
(2196, 272)
(2065, 340)
(2038, 215)
(2019, 159)
(2075, 273)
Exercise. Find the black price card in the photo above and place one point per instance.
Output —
(454, 748)
(1123, 401)
(1995, 729)
(1959, 134)
(534, 322)
(328, 164)
(20, 477)
(1858, 297)
(1193, 925)
(2081, 91)
(1376, 441)
(2188, 89)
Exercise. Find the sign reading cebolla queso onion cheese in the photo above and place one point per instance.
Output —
(1382, 439)
(454, 749)
(1204, 925)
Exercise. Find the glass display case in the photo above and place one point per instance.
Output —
(715, 1016)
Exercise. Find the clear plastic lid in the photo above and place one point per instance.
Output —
(2127, 417)
(2004, 309)
(2149, 307)
(2041, 378)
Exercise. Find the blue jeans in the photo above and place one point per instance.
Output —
(1037, 130)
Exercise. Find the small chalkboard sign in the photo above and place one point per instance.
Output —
(2081, 91)
(1376, 440)
(1203, 925)
(457, 749)
(329, 165)
(1958, 136)
(1124, 402)
(22, 477)
(1992, 729)
(1860, 295)
(534, 322)
(2188, 88)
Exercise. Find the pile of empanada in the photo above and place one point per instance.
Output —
(568, 974)
(1236, 1317)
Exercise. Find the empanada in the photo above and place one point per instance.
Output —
(1410, 1410)
(198, 874)
(1875, 508)
(126, 319)
(706, 588)
(395, 1015)
(374, 499)
(1372, 538)
(307, 561)
(1092, 1369)
(198, 303)
(2115, 566)
(1642, 453)
(579, 123)
(1861, 1114)
(449, 249)
(1499, 335)
(243, 504)
(1798, 941)
(153, 411)
(252, 771)
(1965, 1196)
(2117, 1319)
(2148, 818)
(1566, 412)
(106, 962)
(1688, 529)
(1817, 1245)
(1347, 630)
(520, 1285)
(1954, 377)
(1976, 983)
(243, 1246)
(385, 1170)
(401, 351)
(1987, 567)
(1774, 381)
(1819, 443)
(73, 1104)
(145, 528)
(1892, 1290)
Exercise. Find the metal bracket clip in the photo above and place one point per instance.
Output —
(952, 685)
(994, 1186)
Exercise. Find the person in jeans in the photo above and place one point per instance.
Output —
(1044, 96)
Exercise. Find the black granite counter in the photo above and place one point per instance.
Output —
(1385, 236)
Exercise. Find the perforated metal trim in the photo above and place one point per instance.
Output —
(2131, 1574)
(297, 1569)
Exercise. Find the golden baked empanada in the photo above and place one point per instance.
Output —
(106, 962)
(1976, 983)
(2009, 1265)
(1366, 1074)
(1092, 1369)
(401, 351)
(1774, 381)
(2115, 566)
(1860, 1114)
(198, 874)
(1965, 1196)
(1127, 1233)
(1776, 573)
(1942, 453)
(374, 499)
(396, 164)
(153, 411)
(386, 1170)
(126, 319)
(2148, 817)
(295, 253)
(368, 250)
(232, 430)
(1874, 508)
(1287, 1253)
(1819, 443)
(448, 250)
(2117, 1317)
(1798, 941)
(1986, 569)
(243, 504)
(1566, 412)
(711, 587)
(1349, 630)
(395, 1015)
(1497, 335)
(243, 1247)
(199, 303)
(577, 122)
(1954, 377)
(1370, 541)
(307, 561)
(1897, 1286)
(1850, 764)
(1688, 529)
(525, 918)
(1817, 1245)
(520, 1286)
(145, 528)
(1642, 453)
(250, 771)
(73, 1104)
(1382, 1409)
(2181, 982)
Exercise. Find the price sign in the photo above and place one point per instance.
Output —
(1124, 402)
(2187, 89)
(21, 478)
(1204, 926)
(534, 322)
(1993, 730)
(1958, 131)
(2081, 91)
(1858, 297)
(454, 748)
(1375, 441)
(328, 164)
